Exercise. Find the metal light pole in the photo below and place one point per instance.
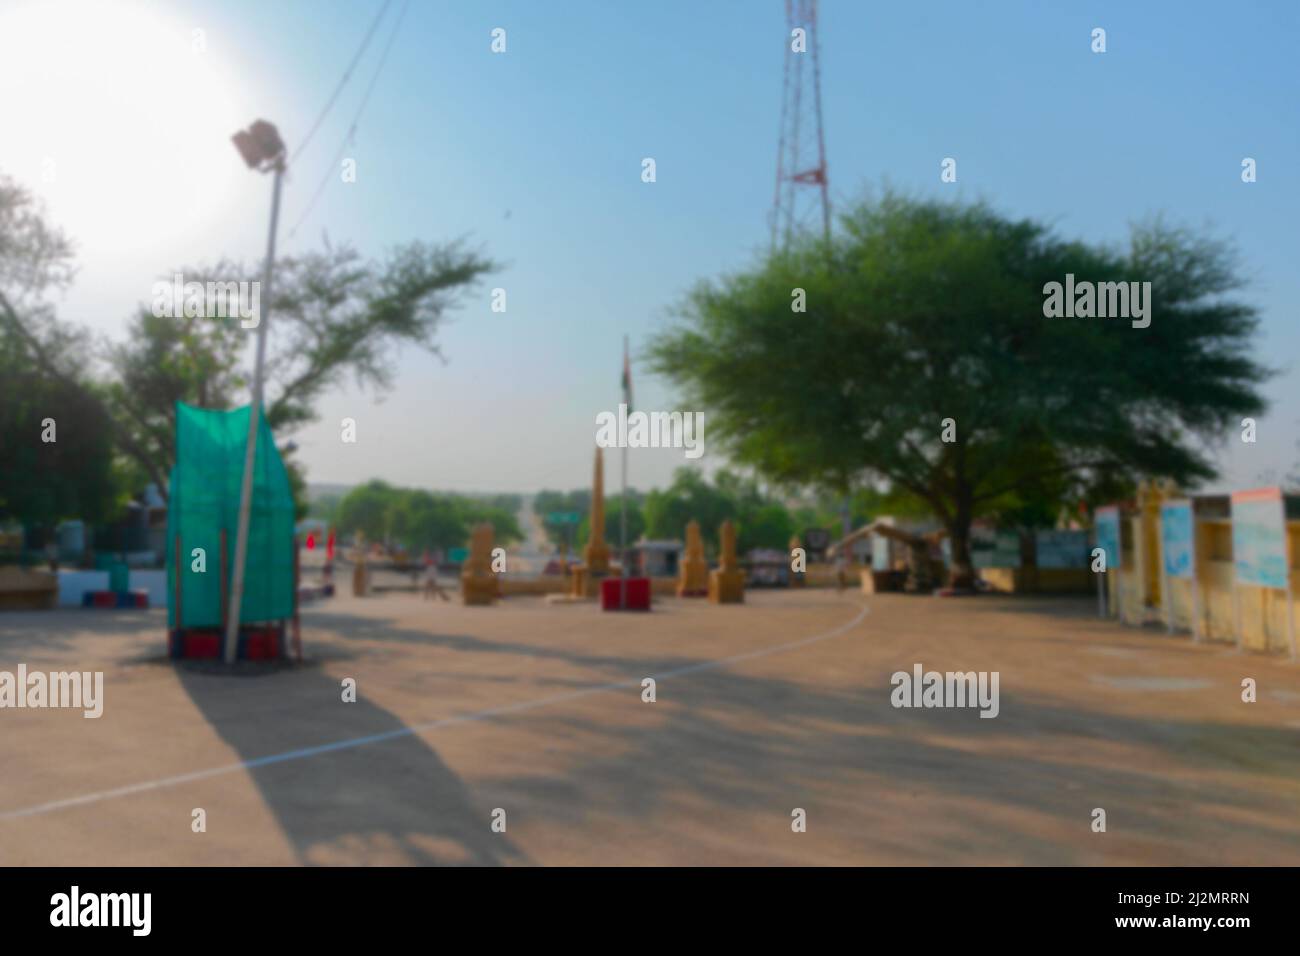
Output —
(263, 150)
(622, 518)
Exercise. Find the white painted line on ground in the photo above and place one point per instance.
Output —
(417, 729)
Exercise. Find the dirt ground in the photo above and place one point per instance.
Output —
(778, 704)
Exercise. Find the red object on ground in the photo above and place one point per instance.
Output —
(638, 594)
(329, 546)
(262, 644)
(201, 644)
(311, 541)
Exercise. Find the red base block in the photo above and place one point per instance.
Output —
(261, 645)
(637, 598)
(255, 644)
(200, 645)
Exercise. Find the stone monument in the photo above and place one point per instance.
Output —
(478, 585)
(595, 556)
(727, 583)
(693, 573)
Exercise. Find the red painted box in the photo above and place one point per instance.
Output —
(201, 645)
(262, 644)
(637, 599)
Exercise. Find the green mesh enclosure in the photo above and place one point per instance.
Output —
(204, 500)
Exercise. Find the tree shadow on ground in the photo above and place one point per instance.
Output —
(746, 743)
(1013, 788)
(385, 801)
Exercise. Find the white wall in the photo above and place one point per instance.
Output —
(154, 581)
(72, 584)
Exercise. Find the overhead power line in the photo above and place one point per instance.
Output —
(343, 81)
(349, 138)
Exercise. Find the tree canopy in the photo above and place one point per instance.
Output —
(417, 519)
(56, 453)
(919, 312)
(334, 316)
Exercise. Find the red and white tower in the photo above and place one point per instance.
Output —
(802, 201)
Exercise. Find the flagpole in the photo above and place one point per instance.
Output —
(622, 534)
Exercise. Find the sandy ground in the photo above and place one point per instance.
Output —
(779, 704)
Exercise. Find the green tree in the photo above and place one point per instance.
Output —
(366, 509)
(613, 505)
(768, 526)
(325, 508)
(334, 317)
(689, 497)
(45, 482)
(42, 380)
(547, 502)
(921, 311)
(417, 519)
(472, 511)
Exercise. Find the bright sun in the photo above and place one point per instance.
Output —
(118, 116)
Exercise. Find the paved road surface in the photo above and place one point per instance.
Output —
(779, 704)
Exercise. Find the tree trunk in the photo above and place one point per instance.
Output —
(962, 574)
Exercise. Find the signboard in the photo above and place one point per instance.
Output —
(457, 555)
(1259, 537)
(1108, 539)
(994, 549)
(1062, 549)
(1176, 538)
(563, 517)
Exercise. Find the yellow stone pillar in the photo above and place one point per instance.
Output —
(595, 556)
(478, 585)
(1150, 496)
(693, 572)
(727, 583)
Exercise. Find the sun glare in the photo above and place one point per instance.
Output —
(119, 116)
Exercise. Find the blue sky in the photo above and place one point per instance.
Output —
(536, 154)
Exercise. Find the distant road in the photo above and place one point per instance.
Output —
(528, 558)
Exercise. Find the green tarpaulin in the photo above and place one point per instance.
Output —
(204, 500)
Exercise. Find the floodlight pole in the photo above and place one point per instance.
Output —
(254, 419)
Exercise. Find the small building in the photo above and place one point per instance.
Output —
(655, 559)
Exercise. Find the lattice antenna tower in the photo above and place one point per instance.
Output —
(802, 199)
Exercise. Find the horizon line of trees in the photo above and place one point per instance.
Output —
(414, 519)
(762, 519)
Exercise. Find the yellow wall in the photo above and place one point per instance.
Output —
(1039, 580)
